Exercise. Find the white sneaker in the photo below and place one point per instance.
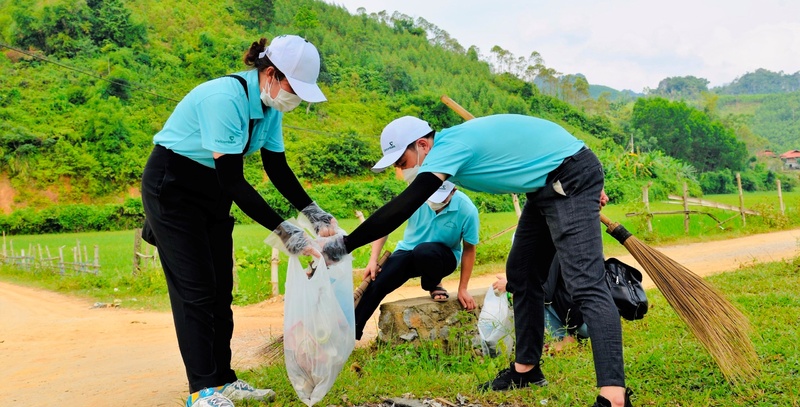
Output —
(241, 390)
(209, 397)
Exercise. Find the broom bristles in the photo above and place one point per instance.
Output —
(719, 326)
(273, 350)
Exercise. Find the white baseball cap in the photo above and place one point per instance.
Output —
(298, 59)
(442, 193)
(396, 136)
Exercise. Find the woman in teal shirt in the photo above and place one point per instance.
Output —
(192, 177)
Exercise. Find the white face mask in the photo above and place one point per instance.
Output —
(284, 102)
(409, 174)
(437, 206)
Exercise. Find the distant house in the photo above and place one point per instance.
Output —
(766, 154)
(791, 159)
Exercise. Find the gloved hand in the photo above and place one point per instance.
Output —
(323, 222)
(295, 240)
(333, 249)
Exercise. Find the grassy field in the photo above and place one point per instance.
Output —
(147, 290)
(665, 364)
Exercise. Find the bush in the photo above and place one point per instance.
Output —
(324, 158)
(75, 218)
(718, 182)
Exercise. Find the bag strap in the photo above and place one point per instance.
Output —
(246, 93)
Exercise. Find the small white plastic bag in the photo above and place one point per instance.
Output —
(496, 324)
(319, 326)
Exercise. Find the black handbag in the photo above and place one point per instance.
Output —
(625, 283)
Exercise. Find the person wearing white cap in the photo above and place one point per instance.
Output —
(563, 182)
(192, 177)
(439, 236)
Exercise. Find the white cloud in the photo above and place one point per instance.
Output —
(624, 44)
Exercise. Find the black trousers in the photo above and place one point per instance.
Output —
(191, 223)
(430, 261)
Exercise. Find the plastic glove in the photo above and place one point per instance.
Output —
(295, 240)
(333, 249)
(323, 222)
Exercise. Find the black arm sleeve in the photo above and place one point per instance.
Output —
(230, 173)
(279, 173)
(390, 216)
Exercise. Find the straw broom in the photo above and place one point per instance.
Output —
(359, 291)
(274, 348)
(719, 326)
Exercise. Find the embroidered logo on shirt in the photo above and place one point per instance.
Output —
(223, 141)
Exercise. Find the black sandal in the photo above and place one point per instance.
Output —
(439, 291)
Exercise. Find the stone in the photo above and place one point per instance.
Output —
(420, 318)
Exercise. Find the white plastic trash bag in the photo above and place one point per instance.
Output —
(496, 324)
(318, 325)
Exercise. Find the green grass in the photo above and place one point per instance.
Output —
(665, 364)
(148, 290)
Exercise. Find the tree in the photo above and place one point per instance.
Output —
(112, 23)
(255, 14)
(681, 87)
(306, 18)
(688, 134)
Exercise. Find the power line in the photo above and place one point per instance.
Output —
(137, 87)
(128, 84)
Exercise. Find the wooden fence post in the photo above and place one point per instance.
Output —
(516, 205)
(96, 262)
(741, 198)
(780, 197)
(685, 208)
(137, 246)
(61, 260)
(646, 200)
(274, 271)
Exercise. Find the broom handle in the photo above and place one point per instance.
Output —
(457, 108)
(608, 222)
(359, 291)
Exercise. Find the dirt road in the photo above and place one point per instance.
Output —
(58, 349)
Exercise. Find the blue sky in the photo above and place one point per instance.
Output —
(620, 43)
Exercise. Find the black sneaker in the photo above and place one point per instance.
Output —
(511, 379)
(603, 402)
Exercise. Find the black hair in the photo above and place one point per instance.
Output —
(251, 58)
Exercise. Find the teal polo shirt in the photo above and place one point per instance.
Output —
(214, 117)
(500, 154)
(458, 220)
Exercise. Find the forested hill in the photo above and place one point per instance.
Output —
(86, 84)
(762, 81)
(88, 133)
